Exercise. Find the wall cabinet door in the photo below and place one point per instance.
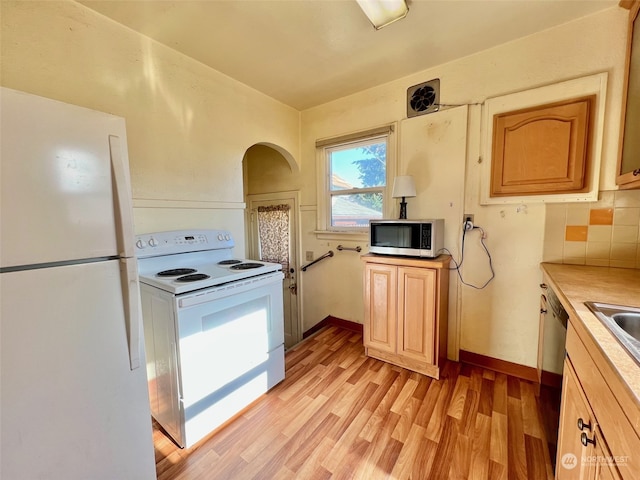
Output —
(417, 308)
(542, 150)
(576, 419)
(629, 158)
(380, 307)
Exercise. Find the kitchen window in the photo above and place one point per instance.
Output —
(354, 171)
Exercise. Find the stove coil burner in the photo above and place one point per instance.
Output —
(176, 272)
(246, 266)
(229, 262)
(192, 278)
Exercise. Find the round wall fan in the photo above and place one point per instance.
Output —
(423, 98)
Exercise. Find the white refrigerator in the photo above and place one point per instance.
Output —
(73, 394)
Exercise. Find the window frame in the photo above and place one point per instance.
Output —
(323, 150)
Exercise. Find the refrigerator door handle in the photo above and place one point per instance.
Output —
(132, 308)
(122, 195)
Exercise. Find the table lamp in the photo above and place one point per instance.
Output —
(403, 187)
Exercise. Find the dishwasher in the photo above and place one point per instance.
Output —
(551, 353)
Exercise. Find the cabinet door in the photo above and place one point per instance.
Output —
(380, 290)
(629, 158)
(417, 313)
(571, 461)
(603, 463)
(541, 149)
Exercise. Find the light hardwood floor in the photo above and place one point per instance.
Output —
(341, 415)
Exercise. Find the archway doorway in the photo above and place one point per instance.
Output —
(271, 182)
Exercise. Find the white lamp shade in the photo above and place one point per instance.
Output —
(383, 12)
(403, 186)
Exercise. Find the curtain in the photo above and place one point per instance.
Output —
(273, 235)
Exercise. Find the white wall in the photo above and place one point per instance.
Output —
(500, 321)
(267, 171)
(188, 126)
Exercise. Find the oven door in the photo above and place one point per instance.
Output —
(230, 349)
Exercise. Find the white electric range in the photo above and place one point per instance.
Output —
(214, 329)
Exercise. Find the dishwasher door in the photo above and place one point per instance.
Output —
(554, 337)
(551, 352)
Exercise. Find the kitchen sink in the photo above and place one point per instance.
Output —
(629, 322)
(623, 322)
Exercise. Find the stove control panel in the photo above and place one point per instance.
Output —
(192, 239)
(181, 241)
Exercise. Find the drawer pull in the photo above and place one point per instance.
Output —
(582, 425)
(586, 440)
(542, 310)
(544, 286)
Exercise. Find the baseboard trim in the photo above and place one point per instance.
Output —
(550, 379)
(501, 366)
(331, 321)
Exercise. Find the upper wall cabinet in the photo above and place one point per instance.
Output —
(542, 149)
(544, 144)
(629, 159)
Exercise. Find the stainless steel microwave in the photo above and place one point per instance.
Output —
(413, 238)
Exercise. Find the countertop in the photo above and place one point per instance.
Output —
(576, 284)
(441, 261)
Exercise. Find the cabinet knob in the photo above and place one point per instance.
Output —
(636, 172)
(582, 425)
(543, 286)
(585, 440)
(543, 311)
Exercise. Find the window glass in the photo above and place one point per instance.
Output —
(357, 179)
(358, 167)
(355, 210)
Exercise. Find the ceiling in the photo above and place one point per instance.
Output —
(308, 52)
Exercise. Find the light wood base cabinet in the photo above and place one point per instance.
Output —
(581, 442)
(596, 439)
(406, 311)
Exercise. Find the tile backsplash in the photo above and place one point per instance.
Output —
(603, 233)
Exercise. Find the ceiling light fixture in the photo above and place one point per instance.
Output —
(383, 12)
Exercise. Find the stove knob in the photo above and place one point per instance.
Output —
(227, 237)
(153, 242)
(220, 237)
(141, 243)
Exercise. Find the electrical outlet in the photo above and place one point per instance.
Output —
(308, 256)
(467, 222)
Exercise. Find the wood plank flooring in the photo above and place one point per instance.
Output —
(341, 415)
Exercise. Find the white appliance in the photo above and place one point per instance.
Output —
(73, 401)
(214, 329)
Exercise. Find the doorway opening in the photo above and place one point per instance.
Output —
(271, 185)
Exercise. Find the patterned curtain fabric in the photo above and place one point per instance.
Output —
(273, 233)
